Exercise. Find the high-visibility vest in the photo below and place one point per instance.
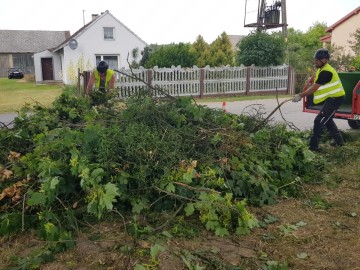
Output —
(109, 74)
(334, 88)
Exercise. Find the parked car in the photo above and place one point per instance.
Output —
(16, 73)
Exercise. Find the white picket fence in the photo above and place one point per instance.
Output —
(208, 81)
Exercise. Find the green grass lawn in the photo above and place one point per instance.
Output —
(15, 93)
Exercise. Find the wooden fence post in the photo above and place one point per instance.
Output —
(289, 82)
(86, 78)
(248, 77)
(202, 78)
(149, 75)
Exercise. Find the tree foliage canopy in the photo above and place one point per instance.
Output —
(172, 55)
(302, 46)
(221, 52)
(355, 46)
(200, 53)
(261, 49)
(355, 43)
(201, 49)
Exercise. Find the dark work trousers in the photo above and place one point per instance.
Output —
(325, 118)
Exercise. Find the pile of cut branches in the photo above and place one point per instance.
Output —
(143, 157)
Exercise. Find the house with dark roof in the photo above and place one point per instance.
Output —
(340, 33)
(17, 48)
(103, 38)
(58, 56)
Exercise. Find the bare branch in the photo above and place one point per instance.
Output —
(197, 188)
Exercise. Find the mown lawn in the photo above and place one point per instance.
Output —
(16, 93)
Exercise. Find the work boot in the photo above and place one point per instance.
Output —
(337, 144)
(338, 140)
(334, 144)
(314, 149)
(314, 144)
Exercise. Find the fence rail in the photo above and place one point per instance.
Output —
(208, 81)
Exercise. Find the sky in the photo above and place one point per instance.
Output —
(167, 21)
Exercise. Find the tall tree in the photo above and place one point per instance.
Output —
(297, 55)
(311, 38)
(340, 58)
(171, 55)
(302, 46)
(355, 46)
(261, 49)
(355, 43)
(201, 50)
(135, 55)
(145, 55)
(221, 52)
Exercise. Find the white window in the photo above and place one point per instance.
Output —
(112, 60)
(109, 33)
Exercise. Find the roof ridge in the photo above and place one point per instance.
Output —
(343, 19)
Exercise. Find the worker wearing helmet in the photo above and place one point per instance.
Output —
(103, 78)
(329, 92)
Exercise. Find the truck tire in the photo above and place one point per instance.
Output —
(354, 124)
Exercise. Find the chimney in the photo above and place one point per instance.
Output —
(94, 16)
(67, 34)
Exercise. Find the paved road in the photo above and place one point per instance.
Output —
(290, 112)
(6, 119)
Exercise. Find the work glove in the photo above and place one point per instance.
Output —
(297, 98)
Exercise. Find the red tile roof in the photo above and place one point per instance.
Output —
(352, 13)
(326, 38)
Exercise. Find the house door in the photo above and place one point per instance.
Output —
(47, 69)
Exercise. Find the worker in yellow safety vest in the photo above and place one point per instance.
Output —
(103, 78)
(329, 92)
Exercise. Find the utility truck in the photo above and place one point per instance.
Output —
(350, 109)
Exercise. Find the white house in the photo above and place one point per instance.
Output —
(340, 33)
(104, 38)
